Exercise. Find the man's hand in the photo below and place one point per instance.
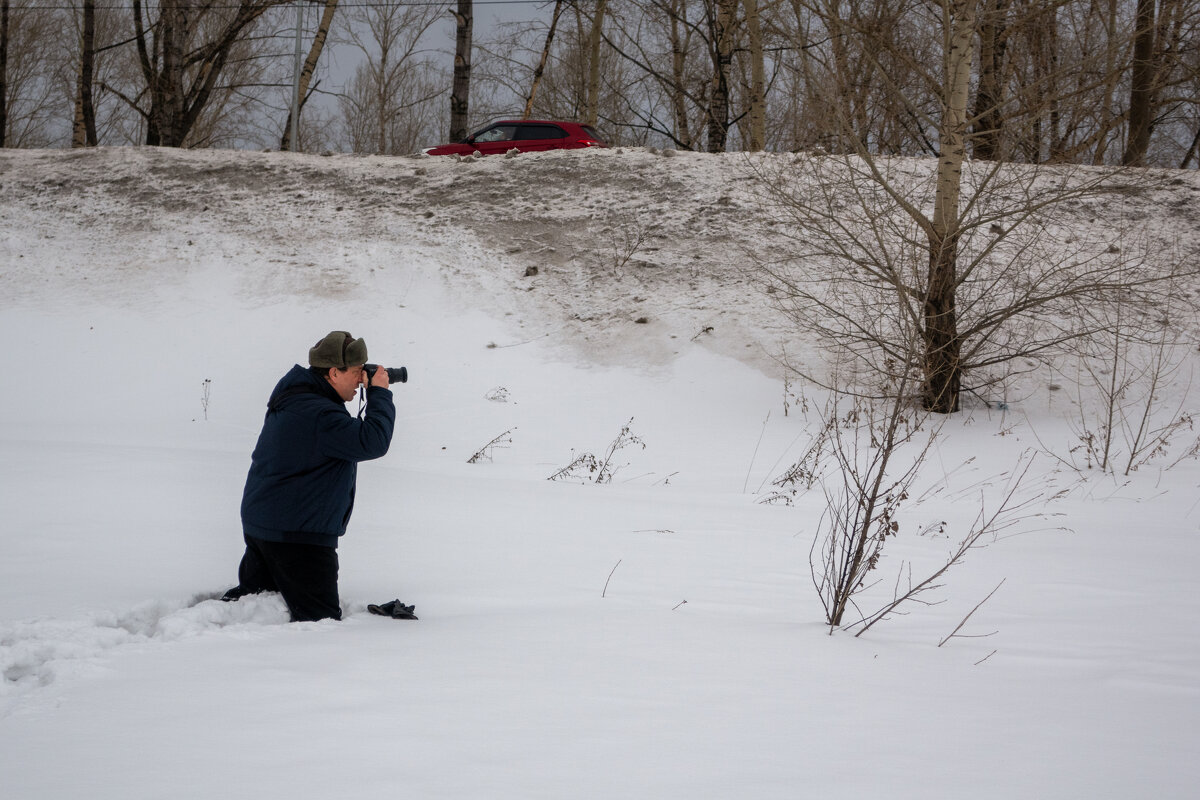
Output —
(380, 378)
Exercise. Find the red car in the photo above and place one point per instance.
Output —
(526, 135)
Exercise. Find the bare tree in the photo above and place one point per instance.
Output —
(541, 65)
(644, 70)
(578, 76)
(989, 118)
(723, 20)
(1141, 89)
(942, 229)
(387, 107)
(943, 362)
(28, 99)
(959, 259)
(1055, 79)
(859, 272)
(460, 93)
(1164, 33)
(84, 133)
(859, 66)
(3, 70)
(1079, 81)
(667, 43)
(183, 50)
(595, 36)
(757, 101)
(103, 118)
(306, 73)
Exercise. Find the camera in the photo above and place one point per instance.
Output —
(395, 374)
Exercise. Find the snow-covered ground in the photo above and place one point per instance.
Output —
(655, 637)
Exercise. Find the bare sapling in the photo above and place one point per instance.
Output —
(1126, 377)
(627, 235)
(581, 466)
(804, 473)
(790, 396)
(205, 396)
(1016, 508)
(1148, 432)
(485, 453)
(606, 468)
(864, 496)
(600, 469)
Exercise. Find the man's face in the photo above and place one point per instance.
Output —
(345, 381)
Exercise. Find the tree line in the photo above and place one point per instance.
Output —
(1049, 81)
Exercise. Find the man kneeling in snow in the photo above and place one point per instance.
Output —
(300, 490)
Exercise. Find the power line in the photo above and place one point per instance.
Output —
(403, 3)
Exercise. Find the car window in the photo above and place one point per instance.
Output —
(541, 132)
(497, 133)
(590, 131)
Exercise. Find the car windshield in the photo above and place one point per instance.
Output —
(590, 131)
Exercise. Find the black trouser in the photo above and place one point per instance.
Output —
(305, 574)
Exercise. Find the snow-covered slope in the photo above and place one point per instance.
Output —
(654, 637)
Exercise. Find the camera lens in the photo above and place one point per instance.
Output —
(395, 374)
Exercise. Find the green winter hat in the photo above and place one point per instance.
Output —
(338, 349)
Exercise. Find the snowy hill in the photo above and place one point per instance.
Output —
(658, 636)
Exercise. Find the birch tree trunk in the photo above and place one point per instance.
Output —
(758, 80)
(1141, 86)
(83, 133)
(1112, 73)
(310, 65)
(460, 92)
(679, 24)
(3, 71)
(722, 51)
(382, 91)
(541, 67)
(989, 99)
(591, 112)
(166, 116)
(1053, 83)
(1163, 70)
(943, 369)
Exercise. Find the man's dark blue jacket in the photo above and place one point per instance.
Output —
(303, 470)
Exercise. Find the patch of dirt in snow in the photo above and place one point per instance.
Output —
(617, 255)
